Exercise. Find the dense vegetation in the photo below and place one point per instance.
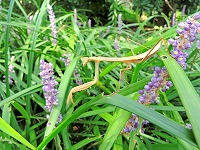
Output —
(49, 48)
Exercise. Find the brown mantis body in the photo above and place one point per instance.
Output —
(128, 60)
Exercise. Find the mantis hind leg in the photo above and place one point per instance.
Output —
(122, 71)
(84, 86)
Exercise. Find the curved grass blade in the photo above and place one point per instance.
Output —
(186, 91)
(114, 129)
(5, 127)
(24, 92)
(146, 113)
(22, 111)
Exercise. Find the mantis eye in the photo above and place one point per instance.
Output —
(164, 57)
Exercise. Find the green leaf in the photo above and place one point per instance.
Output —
(84, 142)
(148, 114)
(186, 91)
(10, 131)
(22, 111)
(114, 129)
(21, 93)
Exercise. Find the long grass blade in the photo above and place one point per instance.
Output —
(186, 91)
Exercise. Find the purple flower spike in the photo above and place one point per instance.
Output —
(158, 81)
(119, 22)
(188, 34)
(49, 84)
(183, 10)
(52, 24)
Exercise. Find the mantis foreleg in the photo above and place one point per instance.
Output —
(86, 85)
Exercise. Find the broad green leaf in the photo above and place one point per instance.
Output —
(10, 131)
(148, 114)
(186, 91)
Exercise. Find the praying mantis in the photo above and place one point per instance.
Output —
(127, 60)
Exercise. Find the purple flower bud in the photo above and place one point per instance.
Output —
(164, 89)
(89, 23)
(179, 31)
(66, 59)
(77, 77)
(156, 85)
(197, 16)
(169, 83)
(154, 78)
(188, 125)
(152, 101)
(153, 96)
(173, 42)
(136, 125)
(119, 23)
(75, 16)
(192, 38)
(141, 92)
(11, 70)
(181, 24)
(141, 99)
(59, 119)
(183, 10)
(173, 18)
(159, 79)
(147, 88)
(116, 44)
(187, 45)
(186, 27)
(150, 84)
(157, 70)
